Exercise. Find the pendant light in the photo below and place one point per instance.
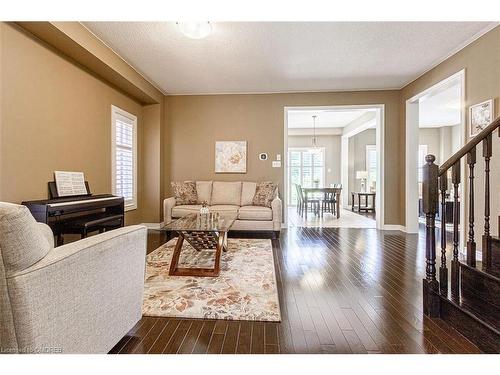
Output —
(314, 141)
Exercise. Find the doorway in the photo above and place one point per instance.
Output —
(436, 117)
(318, 144)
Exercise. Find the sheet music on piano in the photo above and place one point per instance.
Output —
(70, 183)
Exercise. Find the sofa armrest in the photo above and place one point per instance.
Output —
(47, 233)
(82, 297)
(168, 205)
(277, 213)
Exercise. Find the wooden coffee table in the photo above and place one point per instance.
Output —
(202, 232)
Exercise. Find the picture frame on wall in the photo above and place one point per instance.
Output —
(480, 116)
(230, 157)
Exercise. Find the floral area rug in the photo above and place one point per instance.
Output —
(244, 290)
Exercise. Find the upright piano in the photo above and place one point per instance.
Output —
(78, 214)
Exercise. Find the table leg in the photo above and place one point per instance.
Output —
(175, 256)
(305, 202)
(218, 250)
(337, 204)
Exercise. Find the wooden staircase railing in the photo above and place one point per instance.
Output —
(434, 191)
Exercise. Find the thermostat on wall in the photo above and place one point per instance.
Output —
(263, 156)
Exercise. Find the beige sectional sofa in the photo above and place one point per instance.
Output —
(233, 199)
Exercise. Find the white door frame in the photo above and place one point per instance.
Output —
(379, 131)
(412, 133)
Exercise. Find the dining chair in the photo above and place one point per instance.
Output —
(308, 203)
(329, 202)
(300, 202)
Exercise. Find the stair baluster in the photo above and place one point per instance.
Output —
(471, 243)
(487, 152)
(430, 203)
(443, 269)
(455, 267)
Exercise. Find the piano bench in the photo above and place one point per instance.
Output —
(93, 223)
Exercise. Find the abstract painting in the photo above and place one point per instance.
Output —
(480, 116)
(230, 157)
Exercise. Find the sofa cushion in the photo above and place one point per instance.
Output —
(247, 193)
(228, 210)
(258, 213)
(22, 242)
(183, 210)
(226, 193)
(185, 192)
(204, 191)
(264, 194)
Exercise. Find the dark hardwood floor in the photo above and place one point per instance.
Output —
(341, 291)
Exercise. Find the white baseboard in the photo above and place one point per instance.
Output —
(395, 227)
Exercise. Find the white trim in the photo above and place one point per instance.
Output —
(114, 111)
(412, 133)
(395, 227)
(379, 131)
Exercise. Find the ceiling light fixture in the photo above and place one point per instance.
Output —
(195, 30)
(314, 143)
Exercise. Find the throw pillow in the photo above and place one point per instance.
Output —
(264, 194)
(185, 192)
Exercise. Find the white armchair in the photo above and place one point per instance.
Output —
(82, 297)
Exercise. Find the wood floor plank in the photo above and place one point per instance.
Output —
(257, 342)
(191, 337)
(203, 341)
(231, 339)
(244, 338)
(164, 337)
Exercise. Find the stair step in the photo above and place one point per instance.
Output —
(471, 324)
(489, 314)
(479, 289)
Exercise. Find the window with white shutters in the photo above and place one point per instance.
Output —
(371, 166)
(124, 156)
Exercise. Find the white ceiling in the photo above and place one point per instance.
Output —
(245, 57)
(325, 118)
(440, 108)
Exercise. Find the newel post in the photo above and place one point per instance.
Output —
(430, 196)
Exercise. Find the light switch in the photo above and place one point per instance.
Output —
(278, 157)
(276, 164)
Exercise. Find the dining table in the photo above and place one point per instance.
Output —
(335, 190)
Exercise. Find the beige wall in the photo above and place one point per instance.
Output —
(54, 116)
(432, 138)
(331, 143)
(481, 61)
(194, 123)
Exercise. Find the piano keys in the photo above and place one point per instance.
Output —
(79, 214)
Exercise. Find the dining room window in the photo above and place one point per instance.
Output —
(306, 167)
(371, 167)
